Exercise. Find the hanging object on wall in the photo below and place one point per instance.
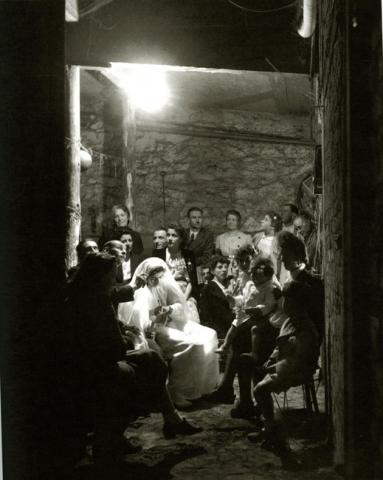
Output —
(85, 159)
(163, 174)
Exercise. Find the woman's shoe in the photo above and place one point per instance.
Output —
(184, 428)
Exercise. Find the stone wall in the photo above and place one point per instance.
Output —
(201, 167)
(252, 174)
(101, 184)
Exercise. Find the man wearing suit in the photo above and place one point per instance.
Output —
(215, 309)
(200, 239)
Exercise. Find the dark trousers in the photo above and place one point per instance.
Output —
(242, 343)
(118, 395)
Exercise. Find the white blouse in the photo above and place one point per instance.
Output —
(230, 242)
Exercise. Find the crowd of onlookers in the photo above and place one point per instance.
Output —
(149, 334)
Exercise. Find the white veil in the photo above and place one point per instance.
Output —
(167, 292)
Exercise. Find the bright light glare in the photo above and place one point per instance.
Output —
(146, 87)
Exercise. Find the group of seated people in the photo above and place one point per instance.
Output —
(149, 332)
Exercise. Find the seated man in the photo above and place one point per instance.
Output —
(253, 308)
(83, 248)
(104, 378)
(117, 249)
(292, 363)
(215, 310)
(206, 274)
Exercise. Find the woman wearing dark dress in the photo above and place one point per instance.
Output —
(120, 223)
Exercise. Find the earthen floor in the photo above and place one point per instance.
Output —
(222, 450)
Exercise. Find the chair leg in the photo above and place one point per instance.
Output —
(285, 401)
(313, 396)
(307, 396)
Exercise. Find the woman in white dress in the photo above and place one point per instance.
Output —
(160, 309)
(228, 243)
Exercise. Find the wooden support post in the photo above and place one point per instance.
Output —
(73, 200)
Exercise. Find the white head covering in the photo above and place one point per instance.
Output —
(167, 292)
(147, 267)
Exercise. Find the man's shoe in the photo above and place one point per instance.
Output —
(184, 428)
(257, 437)
(130, 447)
(220, 395)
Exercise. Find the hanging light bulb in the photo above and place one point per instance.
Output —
(145, 85)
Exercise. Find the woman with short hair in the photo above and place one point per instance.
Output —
(120, 218)
(229, 242)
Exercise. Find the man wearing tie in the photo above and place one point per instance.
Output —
(200, 239)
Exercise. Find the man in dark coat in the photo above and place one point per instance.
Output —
(114, 385)
(200, 240)
(83, 248)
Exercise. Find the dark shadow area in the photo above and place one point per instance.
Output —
(156, 463)
(303, 424)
